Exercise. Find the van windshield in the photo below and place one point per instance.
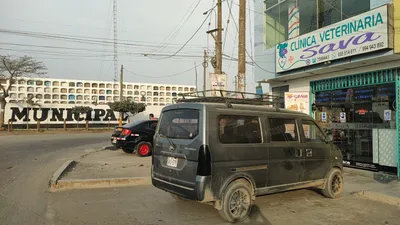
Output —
(179, 124)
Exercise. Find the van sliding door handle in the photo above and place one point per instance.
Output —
(308, 152)
(299, 152)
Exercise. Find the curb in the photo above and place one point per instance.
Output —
(56, 176)
(374, 196)
(371, 174)
(99, 183)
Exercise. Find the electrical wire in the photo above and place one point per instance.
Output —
(209, 25)
(107, 21)
(168, 76)
(84, 39)
(234, 3)
(227, 24)
(174, 34)
(254, 62)
(183, 46)
(251, 38)
(71, 50)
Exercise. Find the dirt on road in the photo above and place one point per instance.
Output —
(147, 205)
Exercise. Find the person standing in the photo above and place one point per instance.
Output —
(151, 116)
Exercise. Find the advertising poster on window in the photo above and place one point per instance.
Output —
(298, 101)
(218, 82)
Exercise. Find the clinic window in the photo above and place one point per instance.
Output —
(235, 129)
(291, 18)
(283, 130)
(312, 133)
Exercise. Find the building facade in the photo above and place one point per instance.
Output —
(344, 54)
(86, 92)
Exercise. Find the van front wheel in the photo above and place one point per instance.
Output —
(334, 184)
(236, 201)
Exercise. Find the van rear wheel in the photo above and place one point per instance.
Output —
(236, 201)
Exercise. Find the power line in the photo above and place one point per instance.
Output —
(168, 76)
(234, 3)
(174, 34)
(84, 39)
(198, 29)
(251, 38)
(227, 24)
(102, 60)
(209, 25)
(254, 62)
(115, 23)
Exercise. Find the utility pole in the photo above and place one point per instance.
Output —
(218, 38)
(242, 47)
(205, 70)
(195, 70)
(121, 88)
(115, 41)
(235, 83)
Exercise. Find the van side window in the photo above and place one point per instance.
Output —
(283, 129)
(312, 132)
(234, 129)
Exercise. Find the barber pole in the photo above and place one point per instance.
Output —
(293, 20)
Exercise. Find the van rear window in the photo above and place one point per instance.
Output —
(235, 129)
(179, 124)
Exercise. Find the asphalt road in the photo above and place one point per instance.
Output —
(145, 205)
(27, 163)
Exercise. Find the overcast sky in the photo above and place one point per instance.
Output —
(79, 33)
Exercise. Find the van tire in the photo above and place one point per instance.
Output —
(126, 150)
(334, 184)
(144, 149)
(178, 198)
(235, 190)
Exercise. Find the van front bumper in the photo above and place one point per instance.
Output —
(200, 191)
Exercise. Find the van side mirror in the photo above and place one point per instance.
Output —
(329, 138)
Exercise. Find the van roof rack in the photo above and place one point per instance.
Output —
(230, 97)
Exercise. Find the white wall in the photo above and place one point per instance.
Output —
(264, 57)
(156, 110)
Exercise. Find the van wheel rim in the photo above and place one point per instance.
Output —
(239, 203)
(144, 149)
(336, 184)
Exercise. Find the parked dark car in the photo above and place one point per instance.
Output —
(115, 135)
(137, 136)
(226, 154)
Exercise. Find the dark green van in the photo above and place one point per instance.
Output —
(227, 154)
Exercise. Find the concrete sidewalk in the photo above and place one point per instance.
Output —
(110, 164)
(102, 169)
(105, 168)
(374, 189)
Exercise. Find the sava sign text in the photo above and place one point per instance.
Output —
(360, 34)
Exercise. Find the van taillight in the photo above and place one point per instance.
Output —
(126, 132)
(204, 162)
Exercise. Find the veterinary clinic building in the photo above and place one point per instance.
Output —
(345, 55)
